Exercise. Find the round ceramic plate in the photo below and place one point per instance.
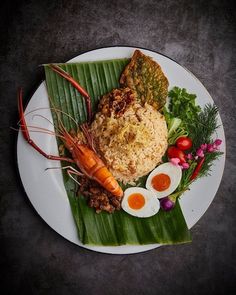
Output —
(45, 189)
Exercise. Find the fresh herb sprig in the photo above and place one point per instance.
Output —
(183, 104)
(202, 125)
(209, 160)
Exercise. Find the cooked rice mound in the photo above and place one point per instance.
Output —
(132, 142)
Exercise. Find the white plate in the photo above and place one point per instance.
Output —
(45, 189)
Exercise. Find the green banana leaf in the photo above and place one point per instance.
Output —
(106, 229)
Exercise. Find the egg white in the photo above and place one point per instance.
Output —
(175, 174)
(150, 208)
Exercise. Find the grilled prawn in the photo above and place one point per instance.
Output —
(84, 156)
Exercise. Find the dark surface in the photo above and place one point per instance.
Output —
(202, 37)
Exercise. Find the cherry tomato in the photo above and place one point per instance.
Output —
(174, 152)
(184, 143)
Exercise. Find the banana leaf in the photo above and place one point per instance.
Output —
(106, 229)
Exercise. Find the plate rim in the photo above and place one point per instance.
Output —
(89, 247)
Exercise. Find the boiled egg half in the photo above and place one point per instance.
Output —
(164, 179)
(140, 202)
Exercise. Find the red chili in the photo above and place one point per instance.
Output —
(197, 169)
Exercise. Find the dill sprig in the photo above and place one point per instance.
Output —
(202, 125)
(207, 165)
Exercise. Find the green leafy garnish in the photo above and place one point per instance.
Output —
(183, 104)
(202, 125)
(199, 124)
(183, 112)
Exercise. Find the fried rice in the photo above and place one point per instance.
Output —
(131, 142)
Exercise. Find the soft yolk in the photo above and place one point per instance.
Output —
(161, 182)
(136, 201)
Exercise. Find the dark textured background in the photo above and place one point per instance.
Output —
(200, 35)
